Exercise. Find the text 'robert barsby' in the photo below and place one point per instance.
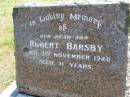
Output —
(67, 46)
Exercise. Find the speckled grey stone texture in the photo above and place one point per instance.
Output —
(71, 73)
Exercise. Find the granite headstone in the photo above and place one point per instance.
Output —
(75, 50)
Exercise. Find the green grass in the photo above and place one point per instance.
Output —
(7, 61)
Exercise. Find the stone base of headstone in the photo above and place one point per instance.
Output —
(12, 91)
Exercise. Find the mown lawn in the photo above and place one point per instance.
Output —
(7, 62)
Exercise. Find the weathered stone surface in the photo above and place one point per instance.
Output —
(71, 50)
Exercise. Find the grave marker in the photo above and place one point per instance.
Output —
(71, 50)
